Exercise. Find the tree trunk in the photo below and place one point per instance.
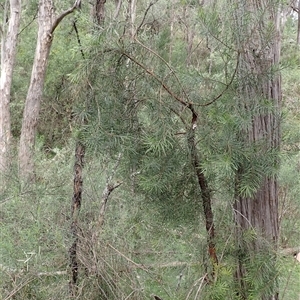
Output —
(298, 31)
(99, 11)
(47, 24)
(75, 209)
(131, 15)
(35, 90)
(206, 199)
(258, 82)
(8, 54)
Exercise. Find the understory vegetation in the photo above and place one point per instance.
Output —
(151, 111)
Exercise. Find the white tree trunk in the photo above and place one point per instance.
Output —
(8, 54)
(35, 90)
(47, 24)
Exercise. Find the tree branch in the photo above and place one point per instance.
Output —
(227, 85)
(144, 17)
(77, 5)
(152, 74)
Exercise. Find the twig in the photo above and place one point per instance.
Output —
(140, 266)
(290, 251)
(106, 192)
(55, 273)
(151, 73)
(18, 288)
(34, 17)
(167, 64)
(201, 280)
(227, 85)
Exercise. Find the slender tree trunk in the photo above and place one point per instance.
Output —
(206, 196)
(118, 4)
(298, 31)
(99, 11)
(8, 54)
(35, 90)
(47, 24)
(258, 82)
(131, 15)
(75, 209)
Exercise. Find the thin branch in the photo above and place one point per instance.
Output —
(151, 73)
(227, 85)
(76, 5)
(144, 17)
(140, 266)
(78, 38)
(290, 251)
(154, 266)
(109, 187)
(167, 64)
(34, 17)
(18, 288)
(54, 273)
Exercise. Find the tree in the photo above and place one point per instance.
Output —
(47, 23)
(298, 30)
(8, 53)
(258, 99)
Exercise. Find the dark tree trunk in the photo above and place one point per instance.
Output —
(75, 209)
(259, 81)
(298, 31)
(206, 196)
(99, 11)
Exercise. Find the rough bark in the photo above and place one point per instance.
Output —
(75, 209)
(206, 196)
(47, 23)
(258, 81)
(8, 54)
(99, 11)
(298, 31)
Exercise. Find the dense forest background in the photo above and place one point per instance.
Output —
(150, 149)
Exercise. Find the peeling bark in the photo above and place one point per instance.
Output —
(8, 54)
(47, 23)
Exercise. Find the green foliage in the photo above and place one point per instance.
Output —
(154, 239)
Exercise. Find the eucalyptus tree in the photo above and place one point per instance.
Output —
(9, 36)
(258, 101)
(47, 23)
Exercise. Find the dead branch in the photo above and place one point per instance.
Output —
(109, 187)
(18, 288)
(290, 251)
